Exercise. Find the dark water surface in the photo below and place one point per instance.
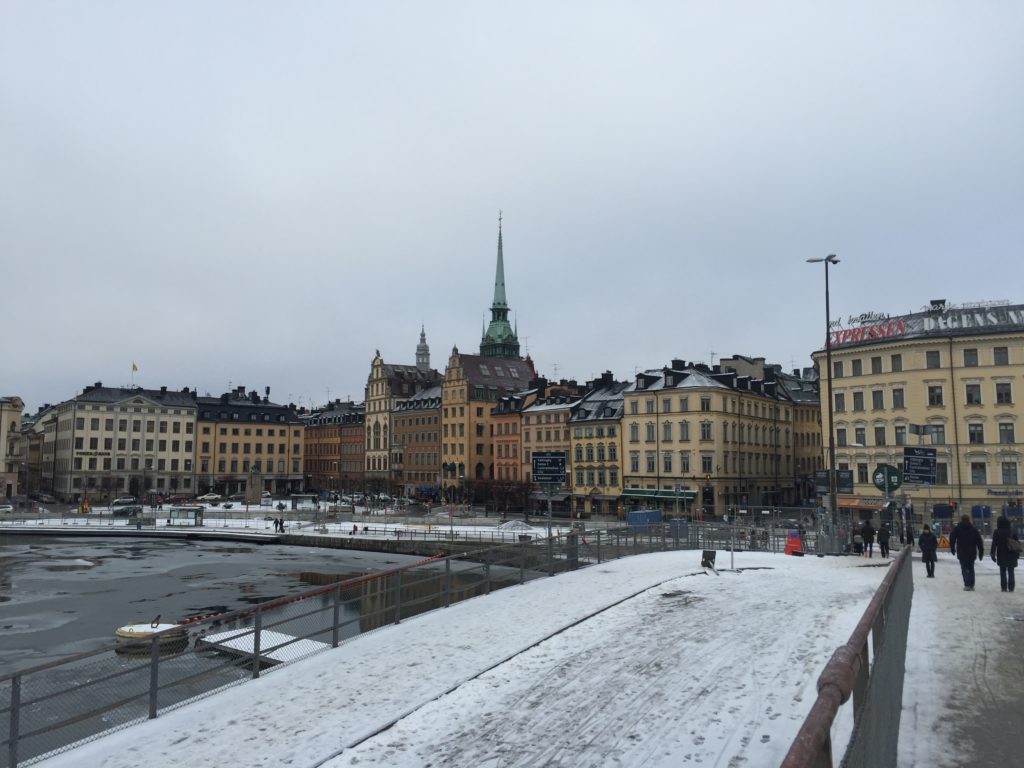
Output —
(63, 595)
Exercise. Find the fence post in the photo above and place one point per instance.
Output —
(257, 626)
(487, 572)
(522, 563)
(599, 547)
(154, 674)
(397, 588)
(12, 739)
(551, 555)
(447, 582)
(337, 617)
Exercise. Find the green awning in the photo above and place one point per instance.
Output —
(651, 493)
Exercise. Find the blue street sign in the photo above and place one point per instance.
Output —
(549, 467)
(919, 465)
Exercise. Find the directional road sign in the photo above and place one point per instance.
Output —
(549, 467)
(919, 465)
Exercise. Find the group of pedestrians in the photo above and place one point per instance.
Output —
(868, 534)
(966, 544)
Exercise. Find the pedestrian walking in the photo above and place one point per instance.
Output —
(1005, 552)
(929, 545)
(910, 535)
(867, 532)
(883, 539)
(965, 542)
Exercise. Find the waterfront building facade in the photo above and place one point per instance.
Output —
(322, 452)
(947, 378)
(245, 441)
(11, 461)
(417, 453)
(596, 448)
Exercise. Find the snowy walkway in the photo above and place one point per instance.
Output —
(641, 661)
(963, 697)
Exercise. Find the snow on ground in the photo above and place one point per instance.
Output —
(963, 695)
(645, 661)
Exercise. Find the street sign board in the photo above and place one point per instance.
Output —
(919, 465)
(844, 481)
(886, 478)
(549, 467)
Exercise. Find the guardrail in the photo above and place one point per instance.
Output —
(870, 667)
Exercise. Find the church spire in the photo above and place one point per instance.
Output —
(499, 274)
(499, 340)
(423, 351)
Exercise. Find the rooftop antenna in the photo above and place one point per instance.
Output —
(712, 353)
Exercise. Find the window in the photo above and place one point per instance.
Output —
(706, 464)
(876, 364)
(862, 473)
(879, 435)
(973, 394)
(876, 400)
(976, 434)
(860, 436)
(634, 461)
(900, 431)
(649, 432)
(684, 430)
(970, 358)
(857, 366)
(579, 453)
(1003, 394)
(705, 403)
(666, 432)
(650, 462)
(705, 430)
(684, 403)
(896, 363)
(649, 404)
(634, 433)
(978, 473)
(1009, 473)
(666, 405)
(666, 462)
(633, 407)
(934, 395)
(931, 359)
(938, 432)
(841, 437)
(684, 462)
(1001, 355)
(858, 401)
(941, 473)
(840, 402)
(837, 369)
(613, 453)
(897, 398)
(1006, 436)
(579, 477)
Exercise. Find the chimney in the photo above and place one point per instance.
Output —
(163, 390)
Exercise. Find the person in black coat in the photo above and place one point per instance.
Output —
(867, 532)
(883, 540)
(1004, 554)
(965, 542)
(928, 545)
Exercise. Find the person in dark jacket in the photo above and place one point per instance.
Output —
(1005, 554)
(883, 540)
(867, 532)
(928, 545)
(965, 542)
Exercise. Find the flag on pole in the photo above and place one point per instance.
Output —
(134, 367)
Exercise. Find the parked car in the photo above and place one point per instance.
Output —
(123, 501)
(266, 494)
(6, 508)
(44, 498)
(128, 510)
(179, 499)
(208, 497)
(236, 497)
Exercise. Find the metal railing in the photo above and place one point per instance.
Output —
(870, 666)
(50, 708)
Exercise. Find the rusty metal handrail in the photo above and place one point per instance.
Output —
(812, 746)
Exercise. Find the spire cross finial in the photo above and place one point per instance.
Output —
(499, 218)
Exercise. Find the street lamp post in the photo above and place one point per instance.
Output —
(827, 260)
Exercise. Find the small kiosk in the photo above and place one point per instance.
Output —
(189, 514)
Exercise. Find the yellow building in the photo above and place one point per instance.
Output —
(11, 460)
(596, 448)
(245, 442)
(946, 378)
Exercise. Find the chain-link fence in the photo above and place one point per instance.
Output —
(50, 708)
(871, 668)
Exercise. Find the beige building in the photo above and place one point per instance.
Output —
(246, 442)
(596, 448)
(112, 441)
(12, 458)
(388, 385)
(946, 378)
(707, 437)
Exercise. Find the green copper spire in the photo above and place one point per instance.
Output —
(499, 340)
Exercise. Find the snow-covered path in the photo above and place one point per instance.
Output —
(963, 695)
(641, 661)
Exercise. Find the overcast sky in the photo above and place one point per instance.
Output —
(263, 193)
